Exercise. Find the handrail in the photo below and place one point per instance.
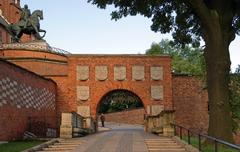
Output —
(216, 140)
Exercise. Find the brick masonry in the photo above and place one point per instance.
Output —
(190, 102)
(185, 93)
(135, 116)
(119, 76)
(24, 96)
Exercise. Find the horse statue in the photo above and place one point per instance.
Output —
(31, 26)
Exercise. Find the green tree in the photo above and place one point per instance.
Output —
(237, 71)
(216, 22)
(185, 60)
(235, 98)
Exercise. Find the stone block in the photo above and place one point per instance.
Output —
(83, 111)
(157, 92)
(154, 109)
(65, 132)
(157, 73)
(89, 123)
(120, 73)
(101, 73)
(66, 119)
(168, 131)
(82, 73)
(83, 93)
(138, 73)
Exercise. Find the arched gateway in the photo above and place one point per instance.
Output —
(83, 80)
(124, 98)
(94, 76)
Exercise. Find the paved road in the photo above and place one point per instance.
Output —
(118, 138)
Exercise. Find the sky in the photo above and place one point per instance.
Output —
(82, 28)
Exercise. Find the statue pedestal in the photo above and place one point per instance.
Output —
(35, 45)
(40, 43)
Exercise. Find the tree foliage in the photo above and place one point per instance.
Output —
(185, 60)
(237, 71)
(180, 17)
(119, 100)
(235, 99)
(215, 21)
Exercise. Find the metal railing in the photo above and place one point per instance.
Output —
(189, 133)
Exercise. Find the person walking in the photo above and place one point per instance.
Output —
(102, 118)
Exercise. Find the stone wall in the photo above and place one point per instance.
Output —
(135, 116)
(27, 102)
(190, 102)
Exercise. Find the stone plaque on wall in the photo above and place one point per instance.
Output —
(119, 73)
(138, 72)
(66, 119)
(154, 109)
(82, 73)
(83, 111)
(82, 93)
(157, 92)
(157, 73)
(101, 73)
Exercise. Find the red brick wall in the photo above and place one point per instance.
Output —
(190, 102)
(100, 88)
(4, 35)
(40, 62)
(24, 95)
(135, 116)
(10, 12)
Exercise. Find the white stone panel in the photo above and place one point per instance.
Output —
(157, 73)
(83, 111)
(157, 92)
(101, 73)
(138, 73)
(82, 73)
(120, 73)
(82, 93)
(157, 109)
(66, 119)
(154, 109)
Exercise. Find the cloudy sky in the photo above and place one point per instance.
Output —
(79, 27)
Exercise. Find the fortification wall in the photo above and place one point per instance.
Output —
(27, 102)
(190, 102)
(135, 116)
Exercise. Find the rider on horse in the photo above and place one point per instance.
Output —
(27, 24)
(25, 15)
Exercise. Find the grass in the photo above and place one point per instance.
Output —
(18, 146)
(207, 147)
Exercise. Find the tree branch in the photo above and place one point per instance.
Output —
(201, 10)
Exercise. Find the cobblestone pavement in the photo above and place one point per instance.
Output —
(118, 138)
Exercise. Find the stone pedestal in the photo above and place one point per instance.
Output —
(160, 124)
(66, 126)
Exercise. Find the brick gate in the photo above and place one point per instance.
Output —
(83, 80)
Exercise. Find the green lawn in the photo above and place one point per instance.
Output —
(208, 147)
(17, 146)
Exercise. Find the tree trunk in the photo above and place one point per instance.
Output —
(218, 68)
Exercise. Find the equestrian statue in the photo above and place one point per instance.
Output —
(27, 24)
